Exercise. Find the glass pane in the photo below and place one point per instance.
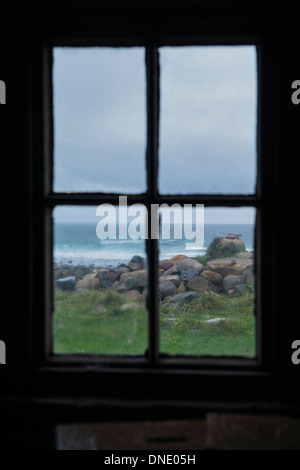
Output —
(99, 119)
(207, 290)
(100, 280)
(208, 120)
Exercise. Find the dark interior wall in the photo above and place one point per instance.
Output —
(29, 408)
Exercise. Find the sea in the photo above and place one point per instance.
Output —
(78, 244)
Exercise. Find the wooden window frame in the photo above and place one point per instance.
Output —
(214, 372)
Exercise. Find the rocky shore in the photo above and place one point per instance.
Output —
(181, 278)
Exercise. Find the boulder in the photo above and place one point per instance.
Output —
(201, 285)
(248, 276)
(216, 320)
(101, 273)
(123, 269)
(105, 282)
(165, 264)
(186, 263)
(176, 259)
(114, 276)
(106, 277)
(231, 281)
(120, 287)
(225, 243)
(174, 279)
(233, 236)
(173, 270)
(128, 275)
(224, 247)
(184, 298)
(136, 263)
(90, 281)
(212, 277)
(166, 288)
(82, 271)
(181, 288)
(137, 282)
(66, 283)
(137, 259)
(188, 275)
(236, 291)
(227, 266)
(245, 255)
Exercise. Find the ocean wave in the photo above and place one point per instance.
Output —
(87, 258)
(80, 247)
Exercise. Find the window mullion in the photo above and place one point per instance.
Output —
(152, 71)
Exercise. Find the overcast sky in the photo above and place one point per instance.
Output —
(207, 121)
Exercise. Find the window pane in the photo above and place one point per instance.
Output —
(208, 120)
(208, 293)
(99, 119)
(100, 279)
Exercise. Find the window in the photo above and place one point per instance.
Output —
(104, 302)
(39, 389)
(146, 355)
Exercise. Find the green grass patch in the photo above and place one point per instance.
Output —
(190, 334)
(105, 322)
(97, 322)
(202, 259)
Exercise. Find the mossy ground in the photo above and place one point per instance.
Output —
(105, 322)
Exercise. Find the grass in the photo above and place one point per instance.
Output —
(217, 249)
(105, 322)
(202, 259)
(98, 322)
(189, 334)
